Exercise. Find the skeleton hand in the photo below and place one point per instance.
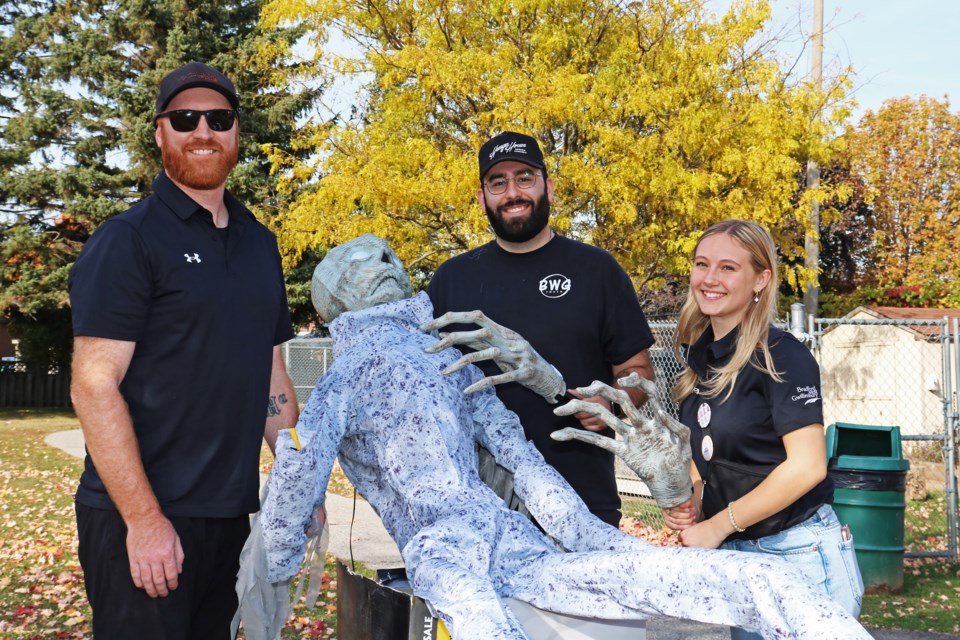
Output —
(657, 449)
(516, 358)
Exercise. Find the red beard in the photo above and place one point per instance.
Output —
(202, 173)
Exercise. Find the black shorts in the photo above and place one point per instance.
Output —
(200, 608)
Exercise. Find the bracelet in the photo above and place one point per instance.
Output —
(732, 520)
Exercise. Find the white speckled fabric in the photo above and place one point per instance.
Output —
(406, 438)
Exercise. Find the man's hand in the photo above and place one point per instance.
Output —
(683, 515)
(657, 449)
(507, 348)
(153, 547)
(155, 553)
(587, 420)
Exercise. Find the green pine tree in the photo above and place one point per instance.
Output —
(78, 80)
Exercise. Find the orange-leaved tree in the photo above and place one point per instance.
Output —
(907, 157)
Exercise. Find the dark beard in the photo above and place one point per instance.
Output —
(201, 175)
(522, 229)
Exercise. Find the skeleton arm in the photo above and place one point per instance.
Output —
(518, 360)
(549, 498)
(657, 449)
(298, 482)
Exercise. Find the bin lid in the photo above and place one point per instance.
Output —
(845, 440)
(869, 463)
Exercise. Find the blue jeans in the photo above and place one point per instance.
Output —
(816, 547)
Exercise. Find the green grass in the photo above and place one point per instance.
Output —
(930, 599)
(41, 588)
(41, 585)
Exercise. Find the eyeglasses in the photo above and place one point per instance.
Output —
(523, 180)
(188, 119)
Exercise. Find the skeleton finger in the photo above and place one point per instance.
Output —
(451, 317)
(474, 339)
(597, 388)
(480, 319)
(477, 317)
(617, 396)
(614, 446)
(661, 419)
(471, 358)
(489, 381)
(597, 411)
(633, 379)
(649, 388)
(673, 426)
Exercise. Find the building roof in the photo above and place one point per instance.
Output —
(909, 313)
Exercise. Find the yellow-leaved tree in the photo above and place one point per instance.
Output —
(656, 118)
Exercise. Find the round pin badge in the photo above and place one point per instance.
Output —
(703, 415)
(706, 448)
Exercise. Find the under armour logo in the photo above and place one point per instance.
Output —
(555, 285)
(194, 258)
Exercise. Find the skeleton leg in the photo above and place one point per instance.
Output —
(736, 589)
(466, 602)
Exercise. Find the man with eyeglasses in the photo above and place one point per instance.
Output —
(573, 303)
(179, 308)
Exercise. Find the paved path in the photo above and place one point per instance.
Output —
(374, 548)
(370, 542)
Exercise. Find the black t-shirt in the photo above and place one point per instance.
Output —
(749, 426)
(577, 307)
(205, 314)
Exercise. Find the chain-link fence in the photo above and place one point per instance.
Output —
(636, 499)
(890, 373)
(307, 359)
(901, 372)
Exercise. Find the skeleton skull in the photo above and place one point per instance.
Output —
(356, 275)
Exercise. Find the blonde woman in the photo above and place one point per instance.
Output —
(750, 394)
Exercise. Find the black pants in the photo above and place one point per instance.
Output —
(610, 516)
(202, 605)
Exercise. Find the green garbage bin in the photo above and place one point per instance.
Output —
(869, 472)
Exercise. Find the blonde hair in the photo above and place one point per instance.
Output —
(754, 326)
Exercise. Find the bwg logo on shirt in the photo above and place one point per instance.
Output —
(556, 285)
(808, 394)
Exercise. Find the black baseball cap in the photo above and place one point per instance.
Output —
(191, 75)
(510, 145)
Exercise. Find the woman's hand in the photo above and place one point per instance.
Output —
(708, 534)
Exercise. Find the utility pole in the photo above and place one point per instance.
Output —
(811, 296)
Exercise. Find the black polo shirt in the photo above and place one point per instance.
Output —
(749, 426)
(205, 308)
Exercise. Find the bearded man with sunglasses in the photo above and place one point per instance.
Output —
(179, 308)
(573, 303)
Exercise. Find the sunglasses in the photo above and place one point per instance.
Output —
(188, 119)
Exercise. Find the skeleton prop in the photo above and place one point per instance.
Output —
(406, 437)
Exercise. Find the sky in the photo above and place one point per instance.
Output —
(896, 47)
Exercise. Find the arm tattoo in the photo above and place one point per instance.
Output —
(273, 406)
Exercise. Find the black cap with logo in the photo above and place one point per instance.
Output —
(510, 145)
(191, 75)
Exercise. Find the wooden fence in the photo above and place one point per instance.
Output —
(18, 389)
